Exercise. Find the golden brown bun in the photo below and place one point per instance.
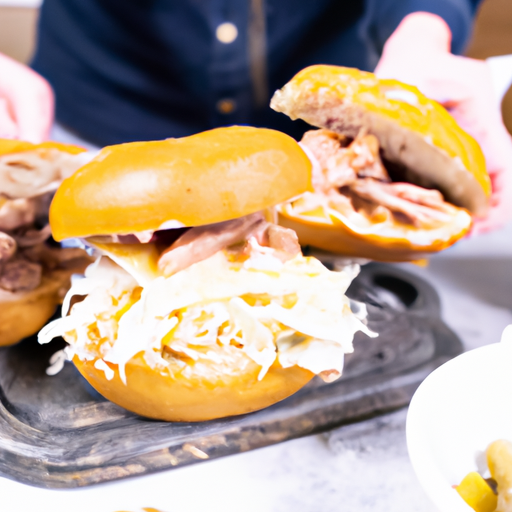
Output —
(8, 146)
(341, 239)
(413, 131)
(210, 177)
(23, 314)
(197, 398)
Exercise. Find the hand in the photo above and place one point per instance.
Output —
(26, 102)
(418, 53)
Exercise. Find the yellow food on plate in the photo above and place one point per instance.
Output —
(477, 493)
(499, 460)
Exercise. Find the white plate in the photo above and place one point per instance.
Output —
(454, 415)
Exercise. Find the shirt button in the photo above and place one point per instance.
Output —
(226, 106)
(226, 32)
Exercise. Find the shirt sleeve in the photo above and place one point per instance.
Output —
(383, 16)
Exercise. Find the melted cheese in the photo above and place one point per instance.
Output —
(139, 260)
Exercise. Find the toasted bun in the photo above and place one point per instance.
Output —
(210, 177)
(414, 131)
(197, 397)
(347, 240)
(23, 314)
(8, 146)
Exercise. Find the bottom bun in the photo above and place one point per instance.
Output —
(23, 314)
(340, 239)
(163, 396)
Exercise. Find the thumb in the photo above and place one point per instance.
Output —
(32, 105)
(8, 128)
(30, 99)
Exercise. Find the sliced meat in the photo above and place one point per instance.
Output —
(67, 255)
(7, 247)
(328, 149)
(23, 175)
(33, 173)
(33, 237)
(20, 275)
(324, 144)
(199, 243)
(340, 171)
(343, 163)
(354, 178)
(389, 196)
(283, 240)
(363, 154)
(54, 257)
(424, 196)
(17, 213)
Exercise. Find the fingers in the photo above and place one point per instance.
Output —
(497, 218)
(28, 99)
(33, 105)
(8, 128)
(418, 32)
(464, 86)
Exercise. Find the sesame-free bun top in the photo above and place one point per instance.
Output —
(209, 177)
(9, 146)
(414, 131)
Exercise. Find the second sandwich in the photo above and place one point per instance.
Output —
(395, 177)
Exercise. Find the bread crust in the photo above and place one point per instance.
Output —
(413, 131)
(167, 397)
(339, 238)
(8, 146)
(23, 314)
(209, 177)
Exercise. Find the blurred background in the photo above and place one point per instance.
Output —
(492, 34)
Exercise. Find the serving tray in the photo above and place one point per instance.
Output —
(55, 432)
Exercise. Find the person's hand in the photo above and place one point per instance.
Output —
(26, 102)
(418, 53)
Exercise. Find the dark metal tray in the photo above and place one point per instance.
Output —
(55, 433)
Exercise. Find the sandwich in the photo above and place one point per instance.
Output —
(34, 273)
(395, 177)
(199, 306)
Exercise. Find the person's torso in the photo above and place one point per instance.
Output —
(149, 69)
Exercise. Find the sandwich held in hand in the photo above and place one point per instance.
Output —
(34, 276)
(199, 307)
(395, 178)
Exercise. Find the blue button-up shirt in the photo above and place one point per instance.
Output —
(127, 70)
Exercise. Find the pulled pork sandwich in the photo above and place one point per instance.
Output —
(199, 307)
(395, 177)
(34, 276)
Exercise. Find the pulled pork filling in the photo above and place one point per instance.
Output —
(199, 243)
(349, 177)
(27, 183)
(223, 297)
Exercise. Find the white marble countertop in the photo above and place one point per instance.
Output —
(363, 467)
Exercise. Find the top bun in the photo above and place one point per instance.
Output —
(414, 132)
(210, 177)
(8, 146)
